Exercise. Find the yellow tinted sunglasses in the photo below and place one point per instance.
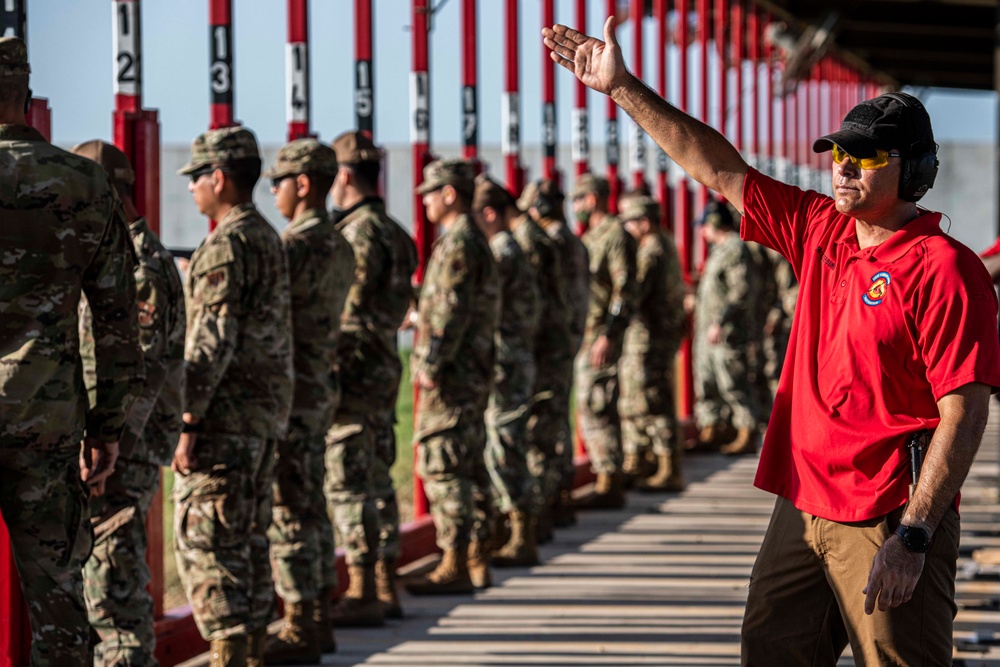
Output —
(880, 160)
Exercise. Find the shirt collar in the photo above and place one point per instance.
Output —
(19, 132)
(897, 245)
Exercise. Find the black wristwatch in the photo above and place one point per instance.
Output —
(916, 539)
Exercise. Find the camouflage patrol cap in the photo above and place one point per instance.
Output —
(591, 184)
(304, 156)
(636, 207)
(13, 57)
(109, 157)
(491, 194)
(528, 196)
(456, 173)
(355, 147)
(718, 215)
(220, 147)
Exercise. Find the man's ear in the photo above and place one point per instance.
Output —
(303, 186)
(449, 195)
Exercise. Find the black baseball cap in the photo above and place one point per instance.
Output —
(892, 120)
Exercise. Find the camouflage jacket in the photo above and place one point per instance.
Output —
(62, 234)
(154, 421)
(726, 290)
(574, 260)
(385, 259)
(786, 288)
(658, 321)
(763, 277)
(238, 353)
(519, 299)
(458, 314)
(612, 253)
(320, 271)
(552, 336)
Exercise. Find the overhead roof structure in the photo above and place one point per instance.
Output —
(945, 43)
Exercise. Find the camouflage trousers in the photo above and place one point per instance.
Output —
(512, 484)
(116, 575)
(550, 436)
(760, 391)
(44, 505)
(722, 385)
(298, 518)
(221, 516)
(646, 405)
(383, 489)
(597, 413)
(450, 443)
(350, 456)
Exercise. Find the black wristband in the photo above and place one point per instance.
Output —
(192, 428)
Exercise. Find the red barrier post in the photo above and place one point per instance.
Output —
(722, 36)
(580, 121)
(612, 147)
(685, 214)
(549, 137)
(737, 36)
(221, 73)
(704, 23)
(420, 137)
(298, 100)
(510, 144)
(753, 34)
(663, 192)
(470, 96)
(637, 137)
(15, 629)
(364, 74)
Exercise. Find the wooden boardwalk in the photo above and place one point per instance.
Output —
(663, 582)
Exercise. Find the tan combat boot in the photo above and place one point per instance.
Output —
(609, 492)
(228, 652)
(668, 475)
(359, 608)
(297, 642)
(563, 511)
(745, 443)
(479, 565)
(322, 623)
(450, 578)
(521, 550)
(385, 588)
(256, 641)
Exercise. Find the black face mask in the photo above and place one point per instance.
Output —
(27, 103)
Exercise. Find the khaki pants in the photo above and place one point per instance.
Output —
(806, 603)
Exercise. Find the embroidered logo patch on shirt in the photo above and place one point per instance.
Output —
(876, 292)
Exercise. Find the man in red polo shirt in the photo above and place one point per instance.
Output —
(893, 333)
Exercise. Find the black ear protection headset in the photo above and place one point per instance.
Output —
(920, 164)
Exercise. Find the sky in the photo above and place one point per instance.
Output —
(70, 48)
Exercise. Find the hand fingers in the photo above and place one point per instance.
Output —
(556, 47)
(568, 64)
(570, 33)
(871, 592)
(609, 31)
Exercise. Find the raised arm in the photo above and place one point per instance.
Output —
(699, 150)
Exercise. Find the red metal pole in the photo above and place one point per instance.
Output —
(612, 145)
(704, 23)
(364, 74)
(815, 125)
(470, 103)
(753, 32)
(581, 123)
(637, 140)
(420, 136)
(738, 33)
(298, 98)
(685, 217)
(722, 72)
(663, 193)
(549, 137)
(511, 110)
(773, 99)
(220, 72)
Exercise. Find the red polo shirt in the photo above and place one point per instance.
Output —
(878, 336)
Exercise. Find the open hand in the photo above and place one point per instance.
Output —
(599, 65)
(894, 574)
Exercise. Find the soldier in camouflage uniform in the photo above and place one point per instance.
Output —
(452, 365)
(778, 325)
(62, 234)
(116, 574)
(357, 456)
(238, 395)
(647, 408)
(320, 270)
(725, 292)
(763, 278)
(612, 253)
(513, 486)
(551, 433)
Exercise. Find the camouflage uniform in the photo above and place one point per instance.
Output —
(763, 278)
(238, 370)
(778, 326)
(116, 574)
(61, 234)
(377, 302)
(455, 348)
(556, 372)
(646, 369)
(612, 254)
(726, 291)
(513, 377)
